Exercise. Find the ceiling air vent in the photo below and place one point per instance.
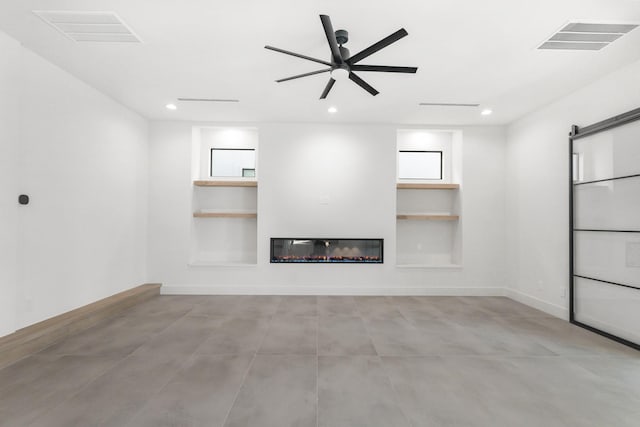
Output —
(446, 104)
(207, 100)
(586, 36)
(82, 26)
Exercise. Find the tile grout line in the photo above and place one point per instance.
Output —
(160, 389)
(253, 358)
(180, 368)
(366, 328)
(94, 379)
(386, 372)
(213, 330)
(585, 350)
(102, 325)
(235, 398)
(395, 392)
(80, 389)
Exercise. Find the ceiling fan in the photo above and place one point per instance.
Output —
(343, 65)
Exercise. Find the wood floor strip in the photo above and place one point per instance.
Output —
(38, 336)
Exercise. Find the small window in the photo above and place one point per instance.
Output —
(419, 164)
(233, 162)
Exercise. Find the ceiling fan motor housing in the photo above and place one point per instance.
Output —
(342, 36)
(344, 52)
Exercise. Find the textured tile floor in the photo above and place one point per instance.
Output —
(326, 361)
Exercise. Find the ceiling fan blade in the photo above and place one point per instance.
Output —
(331, 38)
(327, 88)
(377, 46)
(364, 85)
(303, 75)
(384, 68)
(297, 55)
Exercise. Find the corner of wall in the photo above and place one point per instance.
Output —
(537, 202)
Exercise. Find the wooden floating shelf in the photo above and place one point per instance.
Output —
(426, 217)
(205, 183)
(225, 215)
(417, 186)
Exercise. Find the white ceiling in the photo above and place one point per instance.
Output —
(467, 51)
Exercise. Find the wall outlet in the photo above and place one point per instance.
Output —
(324, 200)
(563, 292)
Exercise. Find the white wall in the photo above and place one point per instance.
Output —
(10, 87)
(538, 190)
(83, 161)
(332, 181)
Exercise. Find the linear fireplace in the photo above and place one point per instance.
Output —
(322, 250)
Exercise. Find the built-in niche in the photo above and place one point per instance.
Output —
(428, 198)
(224, 197)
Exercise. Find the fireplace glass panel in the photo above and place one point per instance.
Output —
(301, 250)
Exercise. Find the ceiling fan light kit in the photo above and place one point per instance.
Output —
(342, 64)
(340, 73)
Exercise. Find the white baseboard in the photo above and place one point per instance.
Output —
(324, 290)
(537, 303)
(523, 298)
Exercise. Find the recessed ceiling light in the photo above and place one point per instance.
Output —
(207, 100)
(486, 112)
(332, 110)
(171, 107)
